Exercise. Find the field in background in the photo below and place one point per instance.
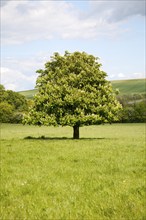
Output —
(129, 87)
(29, 93)
(51, 176)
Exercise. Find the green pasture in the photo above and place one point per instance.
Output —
(45, 174)
(129, 87)
(28, 93)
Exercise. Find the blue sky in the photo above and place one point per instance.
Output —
(32, 30)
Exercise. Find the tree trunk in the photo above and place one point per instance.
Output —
(76, 132)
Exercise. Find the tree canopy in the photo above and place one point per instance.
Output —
(12, 106)
(73, 90)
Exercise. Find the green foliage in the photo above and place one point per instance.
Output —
(2, 88)
(15, 99)
(100, 177)
(72, 90)
(6, 112)
(135, 112)
(140, 111)
(127, 99)
(134, 108)
(13, 105)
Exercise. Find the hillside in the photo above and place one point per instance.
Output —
(132, 86)
(28, 93)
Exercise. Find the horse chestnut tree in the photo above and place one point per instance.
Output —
(73, 91)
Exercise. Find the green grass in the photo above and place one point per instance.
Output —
(100, 176)
(28, 93)
(132, 86)
(129, 87)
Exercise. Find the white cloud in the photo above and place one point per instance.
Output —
(23, 21)
(30, 20)
(29, 66)
(10, 86)
(15, 80)
(20, 73)
(116, 11)
(33, 20)
(139, 75)
(124, 76)
(121, 75)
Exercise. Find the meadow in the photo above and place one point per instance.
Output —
(45, 174)
(130, 86)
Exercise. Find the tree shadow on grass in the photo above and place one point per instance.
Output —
(62, 138)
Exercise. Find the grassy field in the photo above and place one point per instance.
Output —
(28, 93)
(133, 86)
(51, 176)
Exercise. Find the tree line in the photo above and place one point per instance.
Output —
(13, 106)
(134, 108)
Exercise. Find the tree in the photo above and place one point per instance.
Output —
(12, 106)
(134, 112)
(134, 106)
(72, 90)
(17, 100)
(6, 112)
(2, 88)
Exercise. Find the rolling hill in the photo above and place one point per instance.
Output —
(131, 86)
(29, 93)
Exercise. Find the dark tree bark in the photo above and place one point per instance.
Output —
(76, 132)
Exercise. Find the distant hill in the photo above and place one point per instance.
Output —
(29, 93)
(131, 86)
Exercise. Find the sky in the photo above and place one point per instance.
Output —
(32, 30)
